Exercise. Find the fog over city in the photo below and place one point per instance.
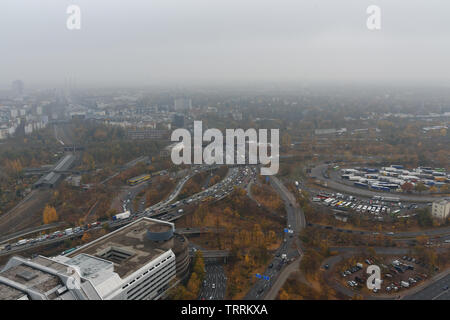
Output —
(137, 42)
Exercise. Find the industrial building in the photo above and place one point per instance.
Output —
(136, 262)
(51, 178)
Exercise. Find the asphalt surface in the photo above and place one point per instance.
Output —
(429, 292)
(289, 247)
(215, 284)
(438, 290)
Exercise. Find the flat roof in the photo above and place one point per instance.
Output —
(128, 248)
(10, 293)
(32, 278)
(64, 163)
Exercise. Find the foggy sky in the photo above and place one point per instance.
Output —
(143, 42)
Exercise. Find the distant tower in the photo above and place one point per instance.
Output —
(17, 87)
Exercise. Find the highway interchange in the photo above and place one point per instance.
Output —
(214, 286)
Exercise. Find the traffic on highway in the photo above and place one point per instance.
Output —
(164, 210)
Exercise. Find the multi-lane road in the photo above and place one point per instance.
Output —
(289, 250)
(215, 283)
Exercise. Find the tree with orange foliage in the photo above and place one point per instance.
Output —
(49, 215)
(86, 237)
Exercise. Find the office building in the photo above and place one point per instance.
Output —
(136, 262)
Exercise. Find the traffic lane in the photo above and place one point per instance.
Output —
(214, 284)
(438, 290)
(260, 288)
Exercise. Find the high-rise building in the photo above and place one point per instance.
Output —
(136, 262)
(441, 209)
(17, 87)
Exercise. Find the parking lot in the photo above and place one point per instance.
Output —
(397, 274)
(376, 208)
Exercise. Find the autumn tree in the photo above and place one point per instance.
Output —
(193, 286)
(420, 187)
(86, 237)
(407, 187)
(199, 265)
(49, 215)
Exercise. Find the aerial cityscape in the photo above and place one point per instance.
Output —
(180, 165)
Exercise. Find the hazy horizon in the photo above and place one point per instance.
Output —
(137, 43)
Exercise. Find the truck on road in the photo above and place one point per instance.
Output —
(122, 216)
(22, 242)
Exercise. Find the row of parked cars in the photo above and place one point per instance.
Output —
(342, 202)
(352, 270)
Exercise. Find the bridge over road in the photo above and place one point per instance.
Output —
(209, 255)
(188, 231)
